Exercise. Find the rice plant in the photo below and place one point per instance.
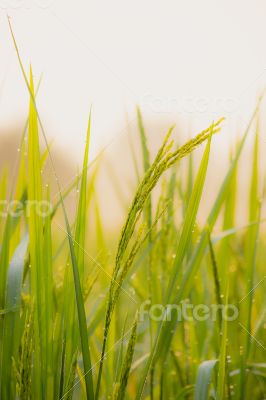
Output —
(149, 321)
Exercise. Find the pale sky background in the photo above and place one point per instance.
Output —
(180, 60)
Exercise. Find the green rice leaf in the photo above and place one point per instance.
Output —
(204, 377)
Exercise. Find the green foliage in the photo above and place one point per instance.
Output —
(68, 326)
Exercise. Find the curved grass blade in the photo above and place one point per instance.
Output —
(204, 379)
(11, 319)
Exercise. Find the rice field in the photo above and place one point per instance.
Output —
(167, 310)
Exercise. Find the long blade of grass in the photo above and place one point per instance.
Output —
(220, 393)
(77, 257)
(251, 254)
(36, 248)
